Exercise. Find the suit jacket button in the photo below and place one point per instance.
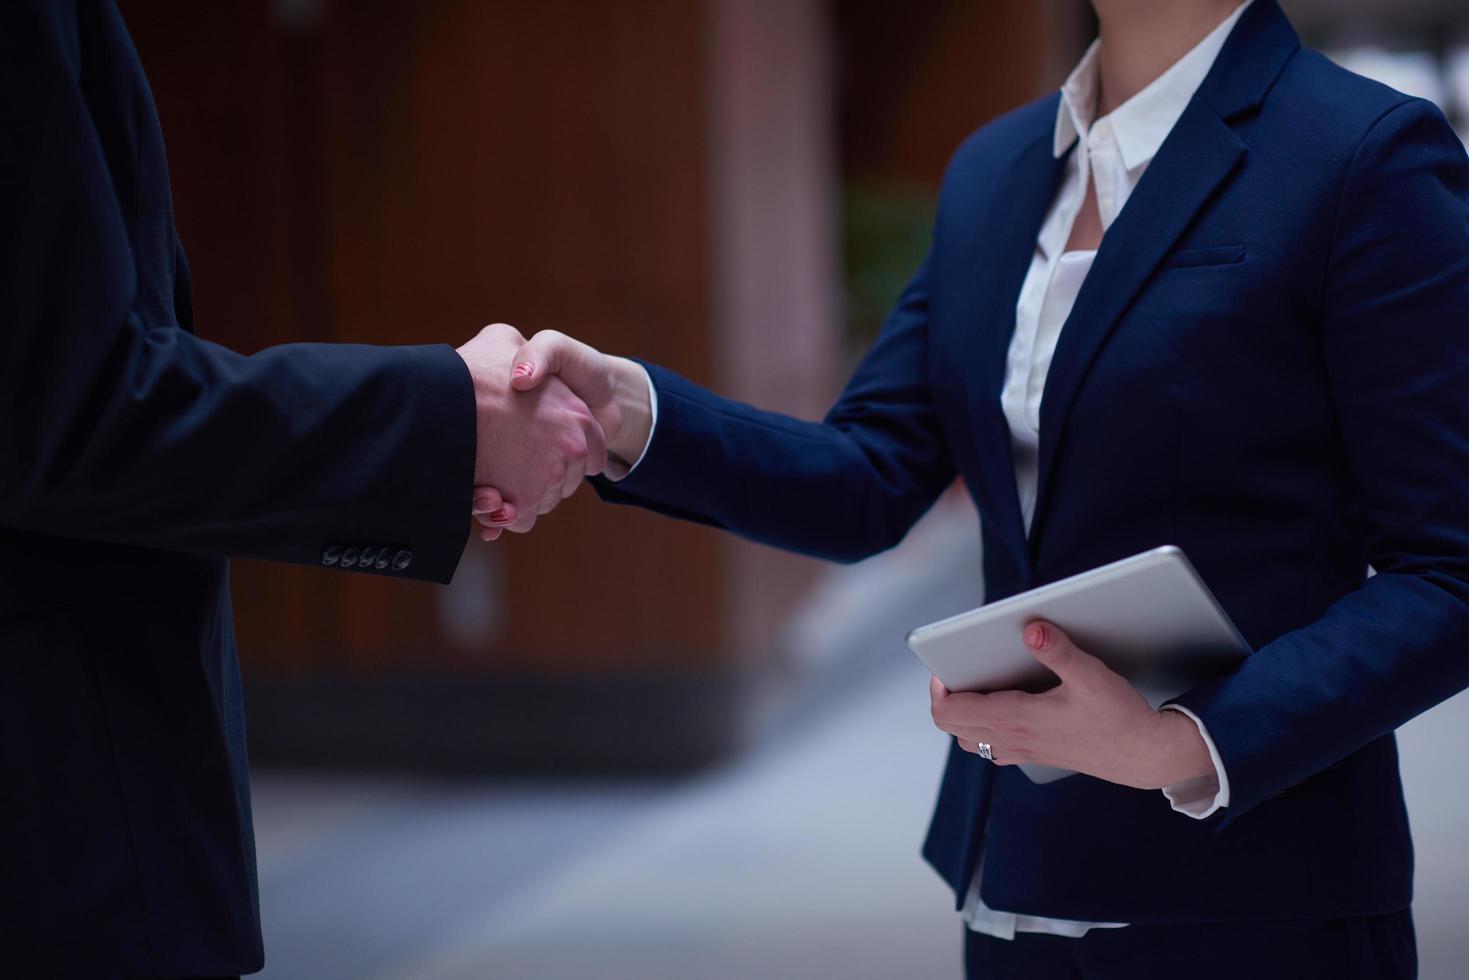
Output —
(349, 556)
(402, 560)
(332, 554)
(368, 556)
(383, 559)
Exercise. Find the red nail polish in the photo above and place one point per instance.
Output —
(500, 516)
(523, 369)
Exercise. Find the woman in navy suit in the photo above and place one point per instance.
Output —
(1214, 293)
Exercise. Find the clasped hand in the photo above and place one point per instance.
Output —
(534, 448)
(549, 411)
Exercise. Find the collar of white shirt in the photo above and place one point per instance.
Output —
(1143, 122)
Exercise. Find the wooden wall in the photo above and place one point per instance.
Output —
(914, 85)
(658, 177)
(403, 173)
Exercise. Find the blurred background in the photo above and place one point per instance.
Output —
(626, 747)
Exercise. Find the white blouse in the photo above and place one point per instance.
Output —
(1113, 152)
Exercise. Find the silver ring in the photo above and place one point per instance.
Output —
(984, 751)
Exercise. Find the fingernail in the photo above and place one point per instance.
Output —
(1037, 636)
(483, 504)
(500, 517)
(524, 369)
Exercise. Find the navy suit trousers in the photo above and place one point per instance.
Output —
(1375, 947)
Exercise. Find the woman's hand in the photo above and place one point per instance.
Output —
(614, 389)
(493, 512)
(1093, 722)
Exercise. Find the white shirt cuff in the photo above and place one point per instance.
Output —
(1200, 798)
(653, 414)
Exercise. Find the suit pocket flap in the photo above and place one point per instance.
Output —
(1190, 258)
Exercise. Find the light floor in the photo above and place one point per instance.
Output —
(798, 861)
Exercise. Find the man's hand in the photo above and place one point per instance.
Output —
(615, 389)
(534, 448)
(1093, 722)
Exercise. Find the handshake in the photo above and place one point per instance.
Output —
(549, 412)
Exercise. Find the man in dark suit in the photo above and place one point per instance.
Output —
(134, 459)
(1239, 275)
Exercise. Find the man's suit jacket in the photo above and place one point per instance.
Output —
(134, 457)
(1269, 366)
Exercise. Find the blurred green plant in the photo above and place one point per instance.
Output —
(885, 234)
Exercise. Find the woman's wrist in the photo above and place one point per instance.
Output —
(633, 399)
(1182, 753)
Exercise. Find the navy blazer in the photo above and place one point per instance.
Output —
(134, 457)
(1269, 366)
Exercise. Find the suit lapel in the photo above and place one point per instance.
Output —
(1195, 159)
(1198, 155)
(1022, 195)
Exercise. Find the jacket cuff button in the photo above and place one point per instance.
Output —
(402, 560)
(349, 557)
(332, 554)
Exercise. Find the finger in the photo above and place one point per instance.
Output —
(552, 498)
(551, 352)
(973, 728)
(1049, 645)
(985, 716)
(551, 488)
(487, 500)
(596, 462)
(973, 733)
(575, 465)
(543, 356)
(961, 708)
(972, 747)
(526, 375)
(938, 697)
(573, 481)
(502, 516)
(490, 533)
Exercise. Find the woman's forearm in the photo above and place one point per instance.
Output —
(632, 403)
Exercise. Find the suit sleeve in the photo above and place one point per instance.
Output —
(842, 489)
(1395, 338)
(117, 429)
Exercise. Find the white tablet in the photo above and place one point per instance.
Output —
(1149, 617)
